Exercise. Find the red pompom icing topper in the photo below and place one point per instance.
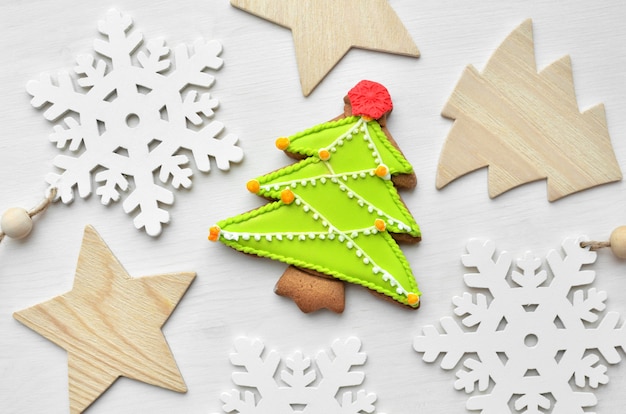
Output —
(370, 99)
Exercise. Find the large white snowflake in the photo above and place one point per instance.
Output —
(134, 115)
(533, 337)
(299, 390)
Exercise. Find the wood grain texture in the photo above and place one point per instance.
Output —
(110, 324)
(260, 99)
(525, 126)
(325, 30)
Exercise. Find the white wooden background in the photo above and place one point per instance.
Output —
(260, 99)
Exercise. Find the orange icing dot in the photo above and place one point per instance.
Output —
(412, 299)
(214, 233)
(287, 196)
(380, 224)
(381, 170)
(253, 186)
(324, 154)
(282, 143)
(367, 118)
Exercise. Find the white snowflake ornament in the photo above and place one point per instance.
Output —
(133, 109)
(530, 338)
(299, 389)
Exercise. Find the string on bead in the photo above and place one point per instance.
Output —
(617, 243)
(595, 245)
(17, 222)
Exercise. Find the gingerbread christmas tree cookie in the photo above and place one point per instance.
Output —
(337, 214)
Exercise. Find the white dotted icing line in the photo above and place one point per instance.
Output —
(323, 178)
(350, 193)
(346, 136)
(348, 236)
(362, 202)
(350, 243)
(360, 126)
(370, 144)
(332, 233)
(291, 235)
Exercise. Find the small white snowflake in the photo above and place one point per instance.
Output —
(132, 120)
(531, 339)
(299, 389)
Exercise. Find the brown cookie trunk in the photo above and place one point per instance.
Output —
(311, 292)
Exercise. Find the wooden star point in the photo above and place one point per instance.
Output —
(110, 324)
(325, 30)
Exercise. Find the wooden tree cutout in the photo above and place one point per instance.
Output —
(325, 30)
(525, 126)
(110, 324)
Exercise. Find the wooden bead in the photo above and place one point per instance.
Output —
(618, 242)
(16, 223)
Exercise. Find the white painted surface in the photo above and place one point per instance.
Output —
(260, 99)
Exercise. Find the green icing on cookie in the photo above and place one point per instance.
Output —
(336, 209)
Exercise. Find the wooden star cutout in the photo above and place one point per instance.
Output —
(324, 30)
(110, 324)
